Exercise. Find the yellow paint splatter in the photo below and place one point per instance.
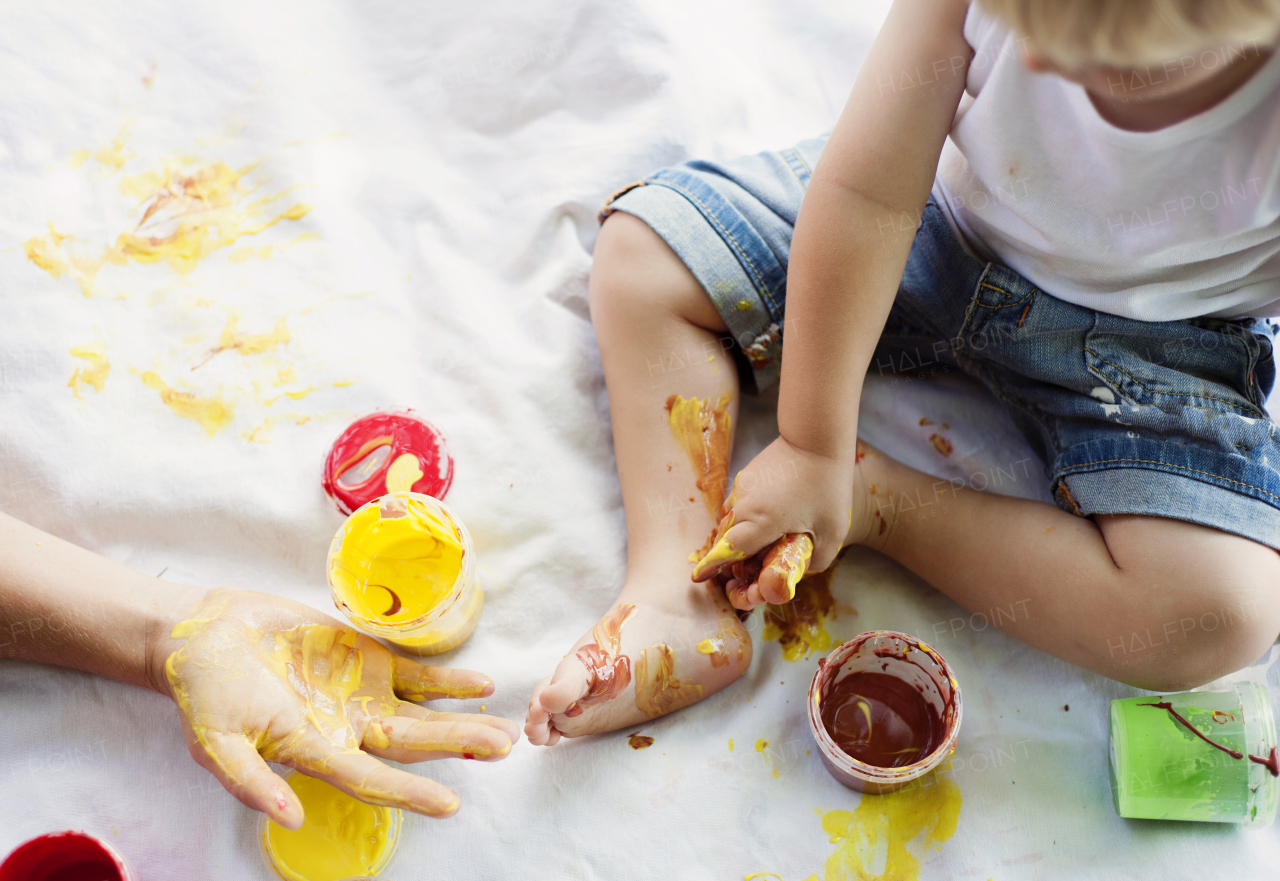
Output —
(260, 434)
(730, 744)
(233, 339)
(761, 744)
(240, 255)
(213, 414)
(872, 841)
(800, 625)
(78, 158)
(190, 214)
(115, 154)
(94, 373)
(58, 255)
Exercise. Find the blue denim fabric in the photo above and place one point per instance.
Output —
(1130, 417)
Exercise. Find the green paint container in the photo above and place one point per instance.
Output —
(1160, 770)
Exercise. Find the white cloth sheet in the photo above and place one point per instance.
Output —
(452, 157)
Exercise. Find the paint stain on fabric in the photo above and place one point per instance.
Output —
(59, 255)
(235, 340)
(703, 429)
(800, 625)
(190, 213)
(886, 836)
(242, 255)
(92, 374)
(941, 444)
(658, 690)
(639, 741)
(213, 413)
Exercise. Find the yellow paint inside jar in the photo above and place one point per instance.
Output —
(340, 837)
(395, 560)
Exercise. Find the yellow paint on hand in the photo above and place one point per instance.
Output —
(339, 838)
(658, 691)
(214, 414)
(403, 473)
(94, 374)
(399, 555)
(924, 815)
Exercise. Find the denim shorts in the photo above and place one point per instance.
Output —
(1130, 417)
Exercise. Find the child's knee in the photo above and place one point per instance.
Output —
(636, 277)
(1216, 630)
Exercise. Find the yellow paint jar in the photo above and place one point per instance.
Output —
(341, 837)
(403, 568)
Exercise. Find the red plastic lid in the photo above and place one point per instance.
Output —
(64, 856)
(384, 452)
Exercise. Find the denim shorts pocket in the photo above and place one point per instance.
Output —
(1204, 363)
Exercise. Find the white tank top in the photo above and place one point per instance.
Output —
(1157, 226)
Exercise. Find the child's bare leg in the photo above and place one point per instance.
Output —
(1158, 603)
(659, 336)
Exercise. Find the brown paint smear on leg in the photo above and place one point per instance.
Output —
(658, 691)
(703, 430)
(610, 672)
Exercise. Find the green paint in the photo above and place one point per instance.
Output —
(1162, 771)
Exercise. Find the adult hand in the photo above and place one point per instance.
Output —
(259, 678)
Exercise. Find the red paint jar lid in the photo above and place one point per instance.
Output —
(67, 856)
(383, 452)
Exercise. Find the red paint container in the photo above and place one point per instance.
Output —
(386, 451)
(65, 856)
(919, 667)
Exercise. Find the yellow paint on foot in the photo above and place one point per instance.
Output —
(658, 690)
(886, 835)
(214, 414)
(94, 373)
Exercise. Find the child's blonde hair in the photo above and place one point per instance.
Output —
(1128, 33)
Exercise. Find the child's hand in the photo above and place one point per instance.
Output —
(790, 511)
(260, 678)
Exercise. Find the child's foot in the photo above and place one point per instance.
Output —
(642, 660)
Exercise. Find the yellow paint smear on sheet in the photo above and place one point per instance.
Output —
(60, 255)
(94, 374)
(242, 255)
(213, 414)
(876, 840)
(702, 429)
(658, 691)
(115, 154)
(800, 625)
(189, 214)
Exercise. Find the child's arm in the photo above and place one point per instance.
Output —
(850, 246)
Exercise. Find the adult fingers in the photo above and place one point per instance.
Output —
(413, 711)
(234, 760)
(742, 540)
(416, 740)
(362, 776)
(419, 682)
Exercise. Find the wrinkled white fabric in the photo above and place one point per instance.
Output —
(453, 158)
